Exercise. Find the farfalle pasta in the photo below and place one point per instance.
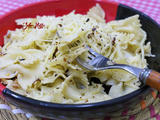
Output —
(41, 63)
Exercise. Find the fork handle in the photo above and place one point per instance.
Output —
(153, 80)
(150, 78)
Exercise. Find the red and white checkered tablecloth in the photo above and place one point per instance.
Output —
(149, 7)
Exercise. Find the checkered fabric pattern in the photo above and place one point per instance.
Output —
(149, 7)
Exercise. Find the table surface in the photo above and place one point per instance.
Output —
(149, 7)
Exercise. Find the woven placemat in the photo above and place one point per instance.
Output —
(10, 112)
(147, 109)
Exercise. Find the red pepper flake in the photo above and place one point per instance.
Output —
(16, 86)
(64, 59)
(97, 26)
(82, 29)
(70, 81)
(2, 54)
(113, 41)
(60, 25)
(36, 80)
(89, 36)
(8, 36)
(86, 101)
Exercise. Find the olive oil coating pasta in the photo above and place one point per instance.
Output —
(40, 62)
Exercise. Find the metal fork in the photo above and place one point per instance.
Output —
(98, 62)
